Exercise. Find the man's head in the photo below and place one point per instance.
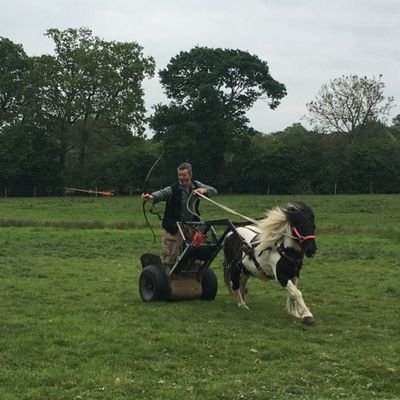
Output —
(185, 174)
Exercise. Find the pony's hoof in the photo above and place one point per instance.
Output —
(308, 321)
(243, 306)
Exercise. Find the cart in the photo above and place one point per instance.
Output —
(191, 277)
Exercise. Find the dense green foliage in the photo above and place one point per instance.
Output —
(74, 327)
(62, 114)
(77, 119)
(210, 91)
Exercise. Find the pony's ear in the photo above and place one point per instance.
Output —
(292, 208)
(297, 207)
(296, 211)
(291, 213)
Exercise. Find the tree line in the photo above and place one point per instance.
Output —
(77, 119)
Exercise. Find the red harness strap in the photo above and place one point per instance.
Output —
(300, 237)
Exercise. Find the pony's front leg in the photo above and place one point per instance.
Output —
(296, 305)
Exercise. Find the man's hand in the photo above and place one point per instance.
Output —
(202, 191)
(147, 196)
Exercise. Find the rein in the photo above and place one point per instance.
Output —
(297, 235)
(225, 208)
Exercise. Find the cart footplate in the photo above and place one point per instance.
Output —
(195, 258)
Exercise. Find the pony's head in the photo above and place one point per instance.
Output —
(302, 224)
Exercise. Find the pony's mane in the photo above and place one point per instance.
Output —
(275, 225)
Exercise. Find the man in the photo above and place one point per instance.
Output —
(176, 209)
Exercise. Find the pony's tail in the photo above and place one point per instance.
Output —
(227, 275)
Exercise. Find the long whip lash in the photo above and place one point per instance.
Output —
(144, 190)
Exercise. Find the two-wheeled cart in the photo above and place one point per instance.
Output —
(191, 277)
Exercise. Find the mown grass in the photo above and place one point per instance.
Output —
(73, 325)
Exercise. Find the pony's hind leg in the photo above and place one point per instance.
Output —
(239, 289)
(239, 299)
(243, 282)
(236, 283)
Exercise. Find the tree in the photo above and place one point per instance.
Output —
(200, 135)
(90, 87)
(372, 166)
(238, 78)
(27, 161)
(14, 69)
(396, 122)
(125, 169)
(211, 91)
(27, 156)
(347, 104)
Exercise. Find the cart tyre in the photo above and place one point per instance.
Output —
(153, 284)
(209, 285)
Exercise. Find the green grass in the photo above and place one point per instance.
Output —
(73, 325)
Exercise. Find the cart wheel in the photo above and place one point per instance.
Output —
(153, 284)
(209, 285)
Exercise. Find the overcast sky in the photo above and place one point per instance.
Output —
(305, 43)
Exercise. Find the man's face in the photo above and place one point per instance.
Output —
(184, 177)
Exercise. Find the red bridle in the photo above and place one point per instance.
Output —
(300, 237)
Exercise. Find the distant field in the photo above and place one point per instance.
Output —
(73, 325)
(376, 212)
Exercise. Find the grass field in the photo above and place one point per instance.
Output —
(72, 325)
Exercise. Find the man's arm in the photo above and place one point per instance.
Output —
(205, 190)
(161, 195)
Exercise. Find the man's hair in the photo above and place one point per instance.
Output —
(187, 166)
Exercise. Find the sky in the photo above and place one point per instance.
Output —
(305, 43)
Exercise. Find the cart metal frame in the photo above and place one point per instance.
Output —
(191, 277)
